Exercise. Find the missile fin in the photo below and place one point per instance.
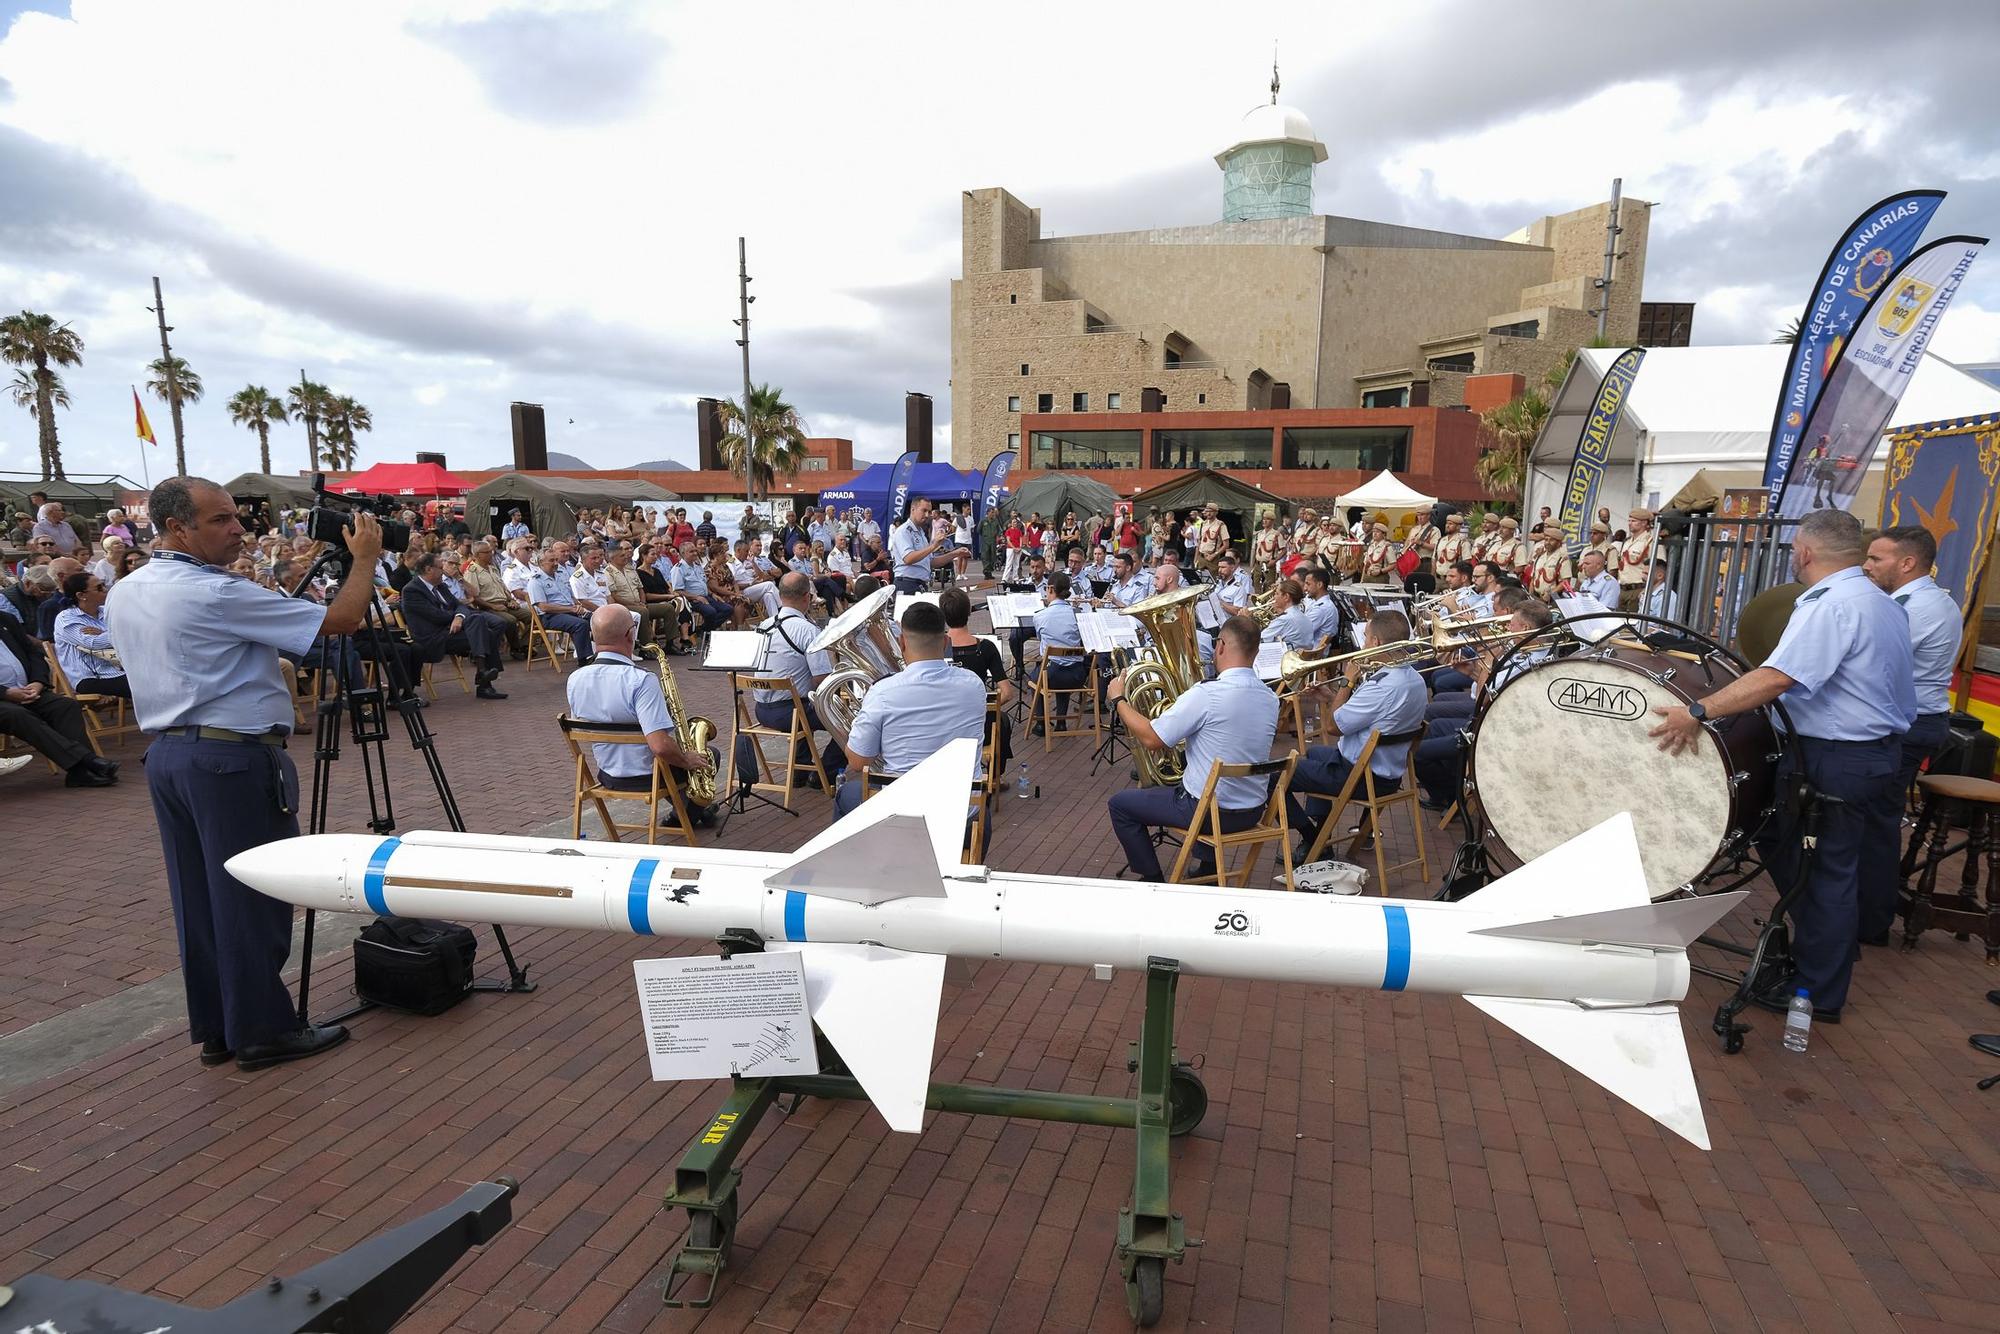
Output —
(1668, 924)
(869, 856)
(879, 1009)
(1637, 1053)
(1599, 868)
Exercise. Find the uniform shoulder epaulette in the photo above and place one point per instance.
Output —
(1813, 596)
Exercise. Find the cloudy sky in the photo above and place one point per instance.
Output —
(440, 206)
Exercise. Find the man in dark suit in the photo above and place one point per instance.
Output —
(440, 623)
(51, 723)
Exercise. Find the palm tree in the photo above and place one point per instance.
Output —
(777, 439)
(1509, 430)
(27, 393)
(253, 406)
(174, 382)
(308, 402)
(1790, 333)
(35, 340)
(343, 418)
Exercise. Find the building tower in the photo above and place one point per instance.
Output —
(1268, 171)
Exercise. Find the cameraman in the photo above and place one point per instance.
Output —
(202, 648)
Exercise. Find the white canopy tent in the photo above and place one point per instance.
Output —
(1384, 492)
(1708, 407)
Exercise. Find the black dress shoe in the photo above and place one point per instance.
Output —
(216, 1051)
(486, 691)
(88, 775)
(1993, 996)
(294, 1046)
(1881, 939)
(1986, 1042)
(109, 768)
(1764, 1000)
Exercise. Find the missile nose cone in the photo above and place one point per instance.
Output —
(292, 870)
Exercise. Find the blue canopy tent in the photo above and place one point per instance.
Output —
(939, 481)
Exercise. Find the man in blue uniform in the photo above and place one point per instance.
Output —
(908, 717)
(201, 649)
(1231, 719)
(912, 546)
(1055, 626)
(550, 595)
(1290, 624)
(614, 689)
(1389, 700)
(1845, 672)
(1594, 581)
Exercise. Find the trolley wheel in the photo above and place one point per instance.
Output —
(710, 1229)
(1732, 1041)
(1187, 1100)
(1146, 1290)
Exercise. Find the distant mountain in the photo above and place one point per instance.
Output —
(561, 462)
(571, 463)
(659, 465)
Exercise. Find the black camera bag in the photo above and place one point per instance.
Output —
(414, 964)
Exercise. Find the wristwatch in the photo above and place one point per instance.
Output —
(1698, 711)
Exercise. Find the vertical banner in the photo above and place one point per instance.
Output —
(1593, 446)
(1845, 426)
(1945, 477)
(991, 488)
(1873, 245)
(899, 488)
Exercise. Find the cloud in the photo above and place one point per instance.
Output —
(557, 69)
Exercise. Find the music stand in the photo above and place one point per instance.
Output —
(735, 651)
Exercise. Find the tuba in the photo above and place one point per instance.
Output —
(1168, 669)
(696, 735)
(863, 652)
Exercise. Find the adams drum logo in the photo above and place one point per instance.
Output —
(1597, 699)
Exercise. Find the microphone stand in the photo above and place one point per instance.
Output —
(368, 707)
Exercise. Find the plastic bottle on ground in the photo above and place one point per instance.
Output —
(1798, 1021)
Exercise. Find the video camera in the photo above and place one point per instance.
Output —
(330, 524)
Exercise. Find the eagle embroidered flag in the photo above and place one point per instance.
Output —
(145, 427)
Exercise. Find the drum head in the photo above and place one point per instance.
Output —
(1564, 746)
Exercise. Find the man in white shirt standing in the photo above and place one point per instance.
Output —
(911, 546)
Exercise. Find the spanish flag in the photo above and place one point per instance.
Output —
(145, 427)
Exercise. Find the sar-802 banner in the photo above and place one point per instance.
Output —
(1593, 444)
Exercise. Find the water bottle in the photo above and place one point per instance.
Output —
(1798, 1021)
(1021, 783)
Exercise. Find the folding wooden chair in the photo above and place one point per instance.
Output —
(96, 708)
(1055, 724)
(1271, 827)
(1377, 804)
(797, 739)
(554, 646)
(579, 735)
(1342, 798)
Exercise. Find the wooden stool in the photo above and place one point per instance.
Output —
(1946, 798)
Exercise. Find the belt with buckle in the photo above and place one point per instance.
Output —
(195, 733)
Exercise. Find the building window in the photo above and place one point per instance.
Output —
(1013, 440)
(1086, 449)
(1362, 448)
(1111, 402)
(1045, 402)
(1024, 368)
(1012, 298)
(1079, 402)
(813, 463)
(1521, 329)
(1013, 402)
(1200, 399)
(1399, 397)
(1220, 447)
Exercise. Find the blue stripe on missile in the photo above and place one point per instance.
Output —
(371, 883)
(1397, 971)
(635, 896)
(795, 915)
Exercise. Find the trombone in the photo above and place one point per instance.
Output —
(1485, 637)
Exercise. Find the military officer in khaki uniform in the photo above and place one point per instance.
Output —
(1455, 545)
(1489, 535)
(1378, 562)
(1601, 543)
(1508, 551)
(1553, 572)
(1635, 559)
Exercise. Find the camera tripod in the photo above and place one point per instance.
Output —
(343, 696)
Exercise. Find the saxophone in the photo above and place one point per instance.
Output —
(1169, 669)
(696, 735)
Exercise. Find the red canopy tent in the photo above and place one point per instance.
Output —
(404, 479)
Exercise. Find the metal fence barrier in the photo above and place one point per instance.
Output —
(1717, 563)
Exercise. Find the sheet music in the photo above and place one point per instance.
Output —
(1359, 634)
(733, 650)
(1106, 631)
(1270, 656)
(1208, 611)
(1590, 632)
(1012, 611)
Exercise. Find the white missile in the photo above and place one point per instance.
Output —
(1569, 951)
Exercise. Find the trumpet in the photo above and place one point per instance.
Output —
(1295, 667)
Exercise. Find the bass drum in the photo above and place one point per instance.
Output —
(1564, 745)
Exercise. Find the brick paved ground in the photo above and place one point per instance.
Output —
(1368, 1161)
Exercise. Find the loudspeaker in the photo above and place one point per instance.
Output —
(917, 424)
(531, 438)
(708, 435)
(431, 458)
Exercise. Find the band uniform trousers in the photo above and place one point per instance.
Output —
(575, 626)
(1440, 759)
(778, 713)
(912, 585)
(1064, 674)
(215, 799)
(1881, 876)
(1137, 809)
(1318, 778)
(1826, 917)
(52, 724)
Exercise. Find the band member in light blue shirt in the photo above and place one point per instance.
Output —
(906, 718)
(1321, 610)
(1658, 599)
(1232, 720)
(912, 547)
(1389, 700)
(1290, 625)
(1129, 583)
(1593, 581)
(615, 689)
(1900, 561)
(1055, 626)
(1844, 670)
(1232, 585)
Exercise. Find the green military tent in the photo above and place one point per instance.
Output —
(549, 503)
(283, 491)
(1055, 494)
